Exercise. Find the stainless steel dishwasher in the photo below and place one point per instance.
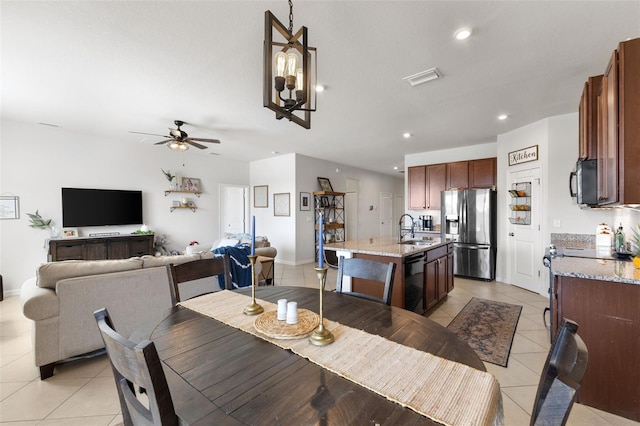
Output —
(414, 282)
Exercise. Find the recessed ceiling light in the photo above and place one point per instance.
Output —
(275, 152)
(503, 117)
(395, 167)
(406, 135)
(462, 33)
(319, 88)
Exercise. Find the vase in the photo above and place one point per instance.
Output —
(54, 231)
(172, 186)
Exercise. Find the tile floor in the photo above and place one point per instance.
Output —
(83, 392)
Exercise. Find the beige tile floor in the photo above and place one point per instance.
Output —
(83, 393)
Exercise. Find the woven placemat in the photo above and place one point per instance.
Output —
(268, 324)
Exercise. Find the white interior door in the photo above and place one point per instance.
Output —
(234, 209)
(525, 241)
(386, 215)
(351, 215)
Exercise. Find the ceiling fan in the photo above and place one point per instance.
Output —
(177, 139)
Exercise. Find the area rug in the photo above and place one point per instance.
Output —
(488, 327)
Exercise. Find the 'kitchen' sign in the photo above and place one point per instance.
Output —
(523, 155)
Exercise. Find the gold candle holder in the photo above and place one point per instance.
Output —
(253, 308)
(321, 336)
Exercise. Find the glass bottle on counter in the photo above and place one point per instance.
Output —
(620, 245)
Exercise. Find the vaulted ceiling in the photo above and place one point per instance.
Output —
(111, 67)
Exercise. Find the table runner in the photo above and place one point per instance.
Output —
(442, 390)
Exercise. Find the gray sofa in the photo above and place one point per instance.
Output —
(62, 297)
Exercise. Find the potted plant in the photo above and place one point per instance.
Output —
(170, 178)
(38, 222)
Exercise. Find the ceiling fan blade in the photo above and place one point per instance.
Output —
(197, 145)
(150, 134)
(164, 141)
(205, 140)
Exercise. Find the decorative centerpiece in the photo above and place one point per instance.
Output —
(253, 308)
(321, 336)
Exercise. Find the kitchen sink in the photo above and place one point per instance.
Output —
(417, 242)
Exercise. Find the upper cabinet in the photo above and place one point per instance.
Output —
(458, 174)
(588, 130)
(417, 180)
(482, 173)
(618, 127)
(425, 183)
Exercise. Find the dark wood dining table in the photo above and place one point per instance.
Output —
(220, 375)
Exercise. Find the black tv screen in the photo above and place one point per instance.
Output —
(100, 207)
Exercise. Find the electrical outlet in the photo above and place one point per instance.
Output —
(556, 223)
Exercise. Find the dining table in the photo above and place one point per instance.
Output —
(221, 375)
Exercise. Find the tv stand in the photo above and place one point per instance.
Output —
(100, 248)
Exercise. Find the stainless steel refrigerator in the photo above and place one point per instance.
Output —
(469, 220)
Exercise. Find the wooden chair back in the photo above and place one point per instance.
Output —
(370, 270)
(137, 366)
(561, 377)
(198, 269)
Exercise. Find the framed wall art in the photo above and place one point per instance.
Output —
(281, 204)
(325, 184)
(69, 232)
(305, 201)
(191, 184)
(9, 207)
(261, 196)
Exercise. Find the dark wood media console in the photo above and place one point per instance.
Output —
(100, 248)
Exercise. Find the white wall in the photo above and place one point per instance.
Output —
(295, 173)
(36, 161)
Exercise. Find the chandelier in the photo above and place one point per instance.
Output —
(290, 71)
(178, 146)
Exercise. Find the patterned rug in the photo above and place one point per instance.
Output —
(488, 327)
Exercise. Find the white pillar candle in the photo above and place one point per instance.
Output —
(282, 309)
(292, 312)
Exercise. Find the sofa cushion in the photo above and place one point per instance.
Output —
(154, 261)
(49, 274)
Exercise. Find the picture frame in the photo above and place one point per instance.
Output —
(324, 201)
(175, 203)
(69, 233)
(9, 207)
(325, 184)
(281, 204)
(261, 196)
(191, 184)
(305, 201)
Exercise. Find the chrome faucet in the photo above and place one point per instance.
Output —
(400, 228)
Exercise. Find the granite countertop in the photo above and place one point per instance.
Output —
(384, 247)
(596, 269)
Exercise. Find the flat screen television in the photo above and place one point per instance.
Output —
(100, 207)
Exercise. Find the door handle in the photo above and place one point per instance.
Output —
(511, 234)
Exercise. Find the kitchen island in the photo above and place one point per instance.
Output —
(603, 297)
(424, 268)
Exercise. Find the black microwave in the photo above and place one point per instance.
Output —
(586, 178)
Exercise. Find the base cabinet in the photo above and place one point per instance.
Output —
(438, 275)
(609, 323)
(100, 248)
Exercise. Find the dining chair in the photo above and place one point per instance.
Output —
(137, 366)
(370, 270)
(197, 270)
(561, 377)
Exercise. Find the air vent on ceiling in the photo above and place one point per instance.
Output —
(423, 77)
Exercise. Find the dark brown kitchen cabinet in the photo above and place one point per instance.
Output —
(436, 275)
(482, 173)
(588, 119)
(458, 174)
(609, 323)
(618, 128)
(100, 248)
(417, 183)
(436, 182)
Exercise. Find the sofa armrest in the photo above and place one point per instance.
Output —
(266, 251)
(38, 303)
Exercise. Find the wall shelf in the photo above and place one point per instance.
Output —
(192, 208)
(520, 203)
(170, 191)
(331, 206)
